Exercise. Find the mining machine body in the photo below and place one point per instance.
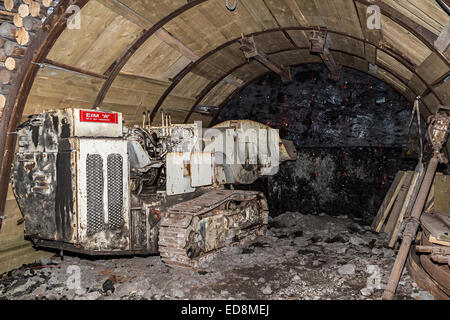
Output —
(86, 183)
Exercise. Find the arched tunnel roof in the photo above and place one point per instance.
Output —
(151, 55)
(137, 55)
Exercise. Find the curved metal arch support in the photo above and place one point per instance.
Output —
(37, 51)
(209, 87)
(116, 67)
(191, 66)
(245, 85)
(420, 32)
(213, 84)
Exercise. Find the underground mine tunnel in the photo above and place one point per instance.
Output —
(274, 149)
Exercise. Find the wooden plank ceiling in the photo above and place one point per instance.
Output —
(202, 43)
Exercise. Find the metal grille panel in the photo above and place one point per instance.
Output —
(115, 191)
(94, 184)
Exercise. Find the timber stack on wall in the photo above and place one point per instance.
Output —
(19, 21)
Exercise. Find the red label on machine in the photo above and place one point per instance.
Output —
(94, 116)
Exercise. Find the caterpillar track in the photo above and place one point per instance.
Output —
(194, 231)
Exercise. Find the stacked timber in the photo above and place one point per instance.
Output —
(19, 22)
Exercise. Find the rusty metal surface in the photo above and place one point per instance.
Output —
(320, 43)
(42, 177)
(195, 231)
(439, 271)
(433, 249)
(251, 50)
(437, 135)
(423, 279)
(75, 193)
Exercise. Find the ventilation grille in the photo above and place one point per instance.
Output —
(94, 184)
(115, 191)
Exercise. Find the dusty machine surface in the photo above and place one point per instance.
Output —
(85, 183)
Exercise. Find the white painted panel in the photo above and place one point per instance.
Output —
(201, 169)
(102, 147)
(178, 178)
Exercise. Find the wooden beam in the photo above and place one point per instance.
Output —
(65, 67)
(118, 65)
(47, 36)
(37, 51)
(288, 37)
(319, 44)
(208, 88)
(228, 98)
(191, 66)
(136, 18)
(228, 79)
(212, 85)
(248, 46)
(20, 52)
(155, 29)
(115, 68)
(422, 33)
(162, 34)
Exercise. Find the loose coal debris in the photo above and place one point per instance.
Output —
(329, 259)
(108, 287)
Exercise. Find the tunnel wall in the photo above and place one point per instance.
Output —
(350, 138)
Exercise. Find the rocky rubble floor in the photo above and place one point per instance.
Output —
(301, 257)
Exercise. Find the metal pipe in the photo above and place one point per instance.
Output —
(411, 229)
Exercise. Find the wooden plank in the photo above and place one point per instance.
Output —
(144, 23)
(216, 95)
(391, 79)
(432, 69)
(413, 185)
(259, 13)
(154, 57)
(442, 194)
(389, 63)
(373, 35)
(91, 47)
(153, 10)
(397, 37)
(388, 201)
(440, 242)
(436, 228)
(425, 13)
(429, 204)
(395, 212)
(443, 91)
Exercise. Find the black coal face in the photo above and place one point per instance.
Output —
(348, 135)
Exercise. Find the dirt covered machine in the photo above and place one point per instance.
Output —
(86, 183)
